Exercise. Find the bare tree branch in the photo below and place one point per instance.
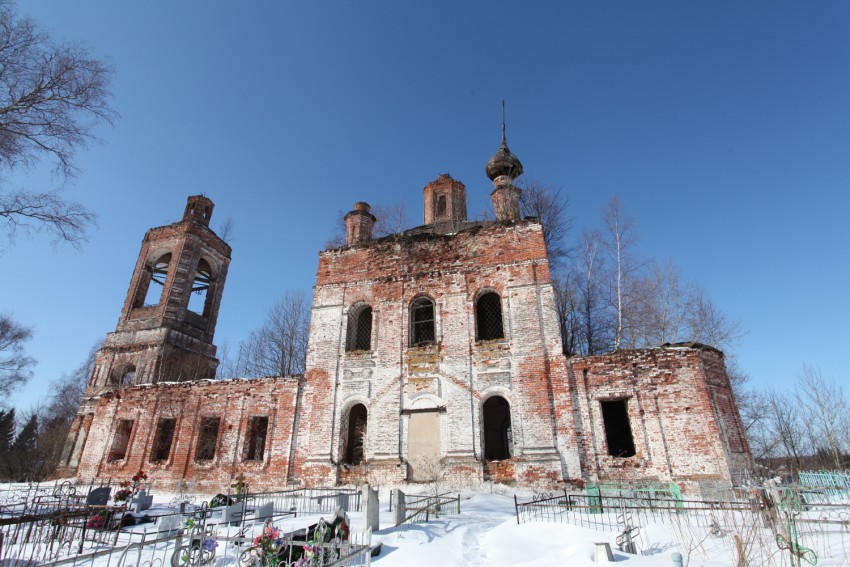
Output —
(15, 365)
(52, 96)
(279, 346)
(35, 212)
(549, 205)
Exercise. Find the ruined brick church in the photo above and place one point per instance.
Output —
(434, 353)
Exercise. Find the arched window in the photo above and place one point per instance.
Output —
(488, 317)
(124, 376)
(498, 438)
(198, 299)
(441, 207)
(355, 436)
(422, 322)
(152, 282)
(359, 336)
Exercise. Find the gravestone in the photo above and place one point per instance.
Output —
(98, 496)
(233, 514)
(264, 512)
(399, 507)
(168, 525)
(141, 501)
(371, 513)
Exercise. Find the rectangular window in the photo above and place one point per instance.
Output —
(163, 439)
(255, 438)
(618, 430)
(121, 440)
(207, 438)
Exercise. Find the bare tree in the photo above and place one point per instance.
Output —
(826, 408)
(55, 416)
(568, 310)
(390, 219)
(665, 304)
(620, 240)
(15, 365)
(52, 95)
(785, 421)
(549, 205)
(707, 324)
(279, 346)
(594, 320)
(226, 230)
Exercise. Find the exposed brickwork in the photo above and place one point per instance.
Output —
(670, 410)
(168, 341)
(681, 409)
(234, 401)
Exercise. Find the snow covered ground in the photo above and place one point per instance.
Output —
(486, 533)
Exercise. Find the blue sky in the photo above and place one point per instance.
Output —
(724, 127)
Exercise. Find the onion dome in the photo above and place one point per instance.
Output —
(503, 161)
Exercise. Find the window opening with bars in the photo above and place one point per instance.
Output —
(359, 335)
(422, 322)
(255, 438)
(200, 288)
(488, 317)
(207, 438)
(153, 282)
(163, 439)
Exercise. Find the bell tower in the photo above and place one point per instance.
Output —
(165, 330)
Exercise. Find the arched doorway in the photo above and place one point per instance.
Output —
(498, 438)
(355, 436)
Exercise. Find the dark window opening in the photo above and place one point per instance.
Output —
(121, 440)
(163, 439)
(422, 322)
(207, 438)
(124, 376)
(255, 438)
(498, 437)
(618, 430)
(488, 317)
(441, 207)
(152, 283)
(355, 435)
(359, 328)
(200, 289)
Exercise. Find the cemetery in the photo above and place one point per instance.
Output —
(636, 523)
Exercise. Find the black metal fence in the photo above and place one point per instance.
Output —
(54, 525)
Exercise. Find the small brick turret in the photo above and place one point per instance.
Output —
(198, 208)
(445, 203)
(359, 224)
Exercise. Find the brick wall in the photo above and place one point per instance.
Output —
(681, 409)
(234, 401)
(453, 376)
